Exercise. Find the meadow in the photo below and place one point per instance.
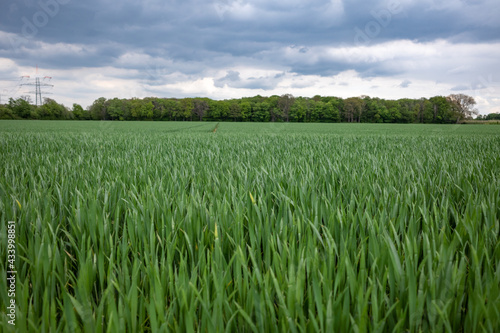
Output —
(258, 227)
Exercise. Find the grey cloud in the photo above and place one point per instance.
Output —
(405, 84)
(231, 77)
(233, 80)
(194, 30)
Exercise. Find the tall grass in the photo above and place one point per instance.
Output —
(170, 227)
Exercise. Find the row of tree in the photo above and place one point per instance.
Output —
(491, 116)
(285, 108)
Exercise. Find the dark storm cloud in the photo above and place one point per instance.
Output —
(424, 20)
(200, 31)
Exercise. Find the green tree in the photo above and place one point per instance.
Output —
(136, 109)
(53, 110)
(6, 112)
(158, 108)
(442, 111)
(77, 111)
(371, 110)
(393, 110)
(382, 115)
(298, 110)
(407, 110)
(492, 116)
(246, 110)
(437, 109)
(20, 107)
(318, 111)
(115, 109)
(353, 107)
(172, 110)
(224, 107)
(147, 110)
(275, 113)
(98, 109)
(331, 112)
(235, 110)
(261, 112)
(186, 108)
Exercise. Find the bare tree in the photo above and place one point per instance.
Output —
(463, 105)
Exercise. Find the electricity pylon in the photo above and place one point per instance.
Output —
(38, 84)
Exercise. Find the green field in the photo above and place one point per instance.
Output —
(159, 226)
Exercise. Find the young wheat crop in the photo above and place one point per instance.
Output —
(318, 228)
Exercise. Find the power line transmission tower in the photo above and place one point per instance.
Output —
(38, 84)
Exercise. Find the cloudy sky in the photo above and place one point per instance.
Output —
(234, 48)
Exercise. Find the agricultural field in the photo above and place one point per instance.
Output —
(162, 226)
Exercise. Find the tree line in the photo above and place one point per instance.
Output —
(284, 108)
